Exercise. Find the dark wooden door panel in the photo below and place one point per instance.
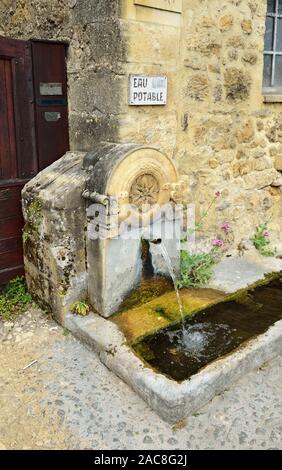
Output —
(10, 273)
(12, 259)
(8, 155)
(10, 244)
(52, 137)
(17, 57)
(33, 131)
(10, 200)
(18, 159)
(11, 226)
(50, 89)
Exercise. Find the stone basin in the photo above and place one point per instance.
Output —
(112, 338)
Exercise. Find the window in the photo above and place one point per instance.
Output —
(272, 75)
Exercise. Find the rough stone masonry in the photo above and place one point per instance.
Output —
(216, 125)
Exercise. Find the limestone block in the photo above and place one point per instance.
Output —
(151, 43)
(207, 22)
(275, 192)
(85, 129)
(107, 39)
(237, 83)
(151, 15)
(226, 23)
(260, 125)
(273, 150)
(278, 162)
(83, 10)
(263, 163)
(273, 132)
(54, 251)
(250, 57)
(213, 163)
(241, 168)
(194, 62)
(137, 125)
(197, 87)
(246, 133)
(277, 182)
(236, 41)
(233, 54)
(247, 26)
(96, 93)
(261, 179)
(116, 269)
(206, 41)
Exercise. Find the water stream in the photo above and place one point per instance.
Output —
(190, 339)
(164, 253)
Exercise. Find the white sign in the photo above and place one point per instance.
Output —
(147, 90)
(50, 89)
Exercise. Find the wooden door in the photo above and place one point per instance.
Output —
(18, 161)
(33, 131)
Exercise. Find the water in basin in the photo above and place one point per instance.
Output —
(212, 333)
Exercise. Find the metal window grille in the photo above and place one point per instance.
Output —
(272, 75)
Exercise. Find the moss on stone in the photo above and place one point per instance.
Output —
(34, 219)
(148, 290)
(159, 313)
(163, 311)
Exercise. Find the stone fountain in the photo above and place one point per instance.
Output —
(86, 216)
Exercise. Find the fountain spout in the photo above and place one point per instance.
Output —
(158, 241)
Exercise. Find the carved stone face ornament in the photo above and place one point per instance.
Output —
(144, 191)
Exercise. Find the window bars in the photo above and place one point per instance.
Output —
(272, 76)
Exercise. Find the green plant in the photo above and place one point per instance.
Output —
(34, 219)
(203, 216)
(261, 240)
(15, 298)
(80, 308)
(26, 235)
(197, 269)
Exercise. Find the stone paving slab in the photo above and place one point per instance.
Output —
(238, 272)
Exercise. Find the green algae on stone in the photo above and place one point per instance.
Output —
(143, 320)
(163, 311)
(34, 219)
(148, 290)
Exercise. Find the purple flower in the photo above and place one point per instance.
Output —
(218, 243)
(266, 234)
(226, 227)
(217, 194)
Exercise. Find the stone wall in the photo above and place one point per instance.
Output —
(215, 125)
(95, 57)
(232, 138)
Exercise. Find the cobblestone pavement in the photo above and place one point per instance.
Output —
(68, 399)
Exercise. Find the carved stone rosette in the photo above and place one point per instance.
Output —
(144, 191)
